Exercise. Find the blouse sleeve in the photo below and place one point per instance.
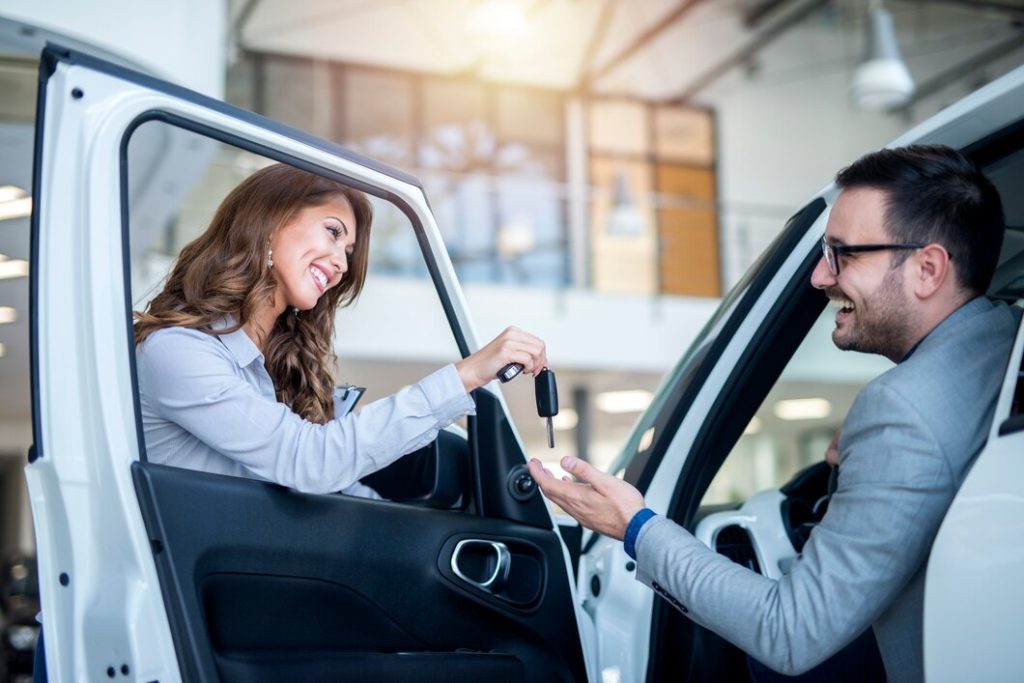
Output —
(190, 379)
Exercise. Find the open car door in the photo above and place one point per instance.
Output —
(973, 592)
(158, 573)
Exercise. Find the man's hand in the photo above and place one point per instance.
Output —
(832, 452)
(598, 501)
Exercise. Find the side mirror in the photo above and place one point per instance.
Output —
(436, 475)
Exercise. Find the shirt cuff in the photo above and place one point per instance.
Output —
(633, 530)
(446, 395)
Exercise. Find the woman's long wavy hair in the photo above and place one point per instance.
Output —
(224, 273)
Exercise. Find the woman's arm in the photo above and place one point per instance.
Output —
(189, 378)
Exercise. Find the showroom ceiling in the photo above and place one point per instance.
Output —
(666, 50)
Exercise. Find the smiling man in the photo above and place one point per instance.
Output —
(910, 248)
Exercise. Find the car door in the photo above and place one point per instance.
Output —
(973, 593)
(707, 401)
(158, 573)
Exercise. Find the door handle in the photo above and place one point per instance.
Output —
(483, 564)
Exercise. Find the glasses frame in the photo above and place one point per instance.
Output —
(832, 252)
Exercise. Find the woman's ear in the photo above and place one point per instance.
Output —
(933, 269)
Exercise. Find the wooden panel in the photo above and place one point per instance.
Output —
(688, 231)
(684, 135)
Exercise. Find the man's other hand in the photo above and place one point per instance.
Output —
(599, 501)
(832, 452)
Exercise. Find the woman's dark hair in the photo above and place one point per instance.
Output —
(224, 272)
(934, 194)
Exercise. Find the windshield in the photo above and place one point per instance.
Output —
(669, 394)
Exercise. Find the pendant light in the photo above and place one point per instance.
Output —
(882, 81)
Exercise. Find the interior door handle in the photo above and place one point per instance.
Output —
(483, 564)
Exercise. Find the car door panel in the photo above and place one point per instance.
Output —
(254, 572)
(973, 592)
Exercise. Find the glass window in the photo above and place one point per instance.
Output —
(530, 116)
(619, 127)
(18, 79)
(375, 114)
(448, 103)
(177, 179)
(623, 238)
(798, 418)
(684, 135)
(297, 92)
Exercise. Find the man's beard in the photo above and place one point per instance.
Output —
(881, 324)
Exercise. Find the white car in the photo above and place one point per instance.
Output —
(153, 573)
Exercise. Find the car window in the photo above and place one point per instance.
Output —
(798, 418)
(176, 179)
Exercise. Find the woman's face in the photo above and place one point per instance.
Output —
(311, 253)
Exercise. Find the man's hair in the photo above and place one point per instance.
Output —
(934, 194)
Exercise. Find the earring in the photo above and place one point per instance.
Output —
(295, 310)
(270, 258)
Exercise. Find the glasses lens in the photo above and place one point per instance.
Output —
(830, 257)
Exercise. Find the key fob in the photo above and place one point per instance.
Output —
(546, 393)
(509, 372)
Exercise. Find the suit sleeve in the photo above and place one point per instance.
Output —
(893, 489)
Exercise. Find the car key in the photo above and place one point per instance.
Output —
(546, 391)
(509, 372)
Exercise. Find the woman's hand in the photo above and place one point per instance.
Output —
(511, 346)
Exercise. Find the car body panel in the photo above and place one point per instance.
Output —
(973, 591)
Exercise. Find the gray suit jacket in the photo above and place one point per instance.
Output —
(905, 448)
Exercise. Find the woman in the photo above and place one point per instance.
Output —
(234, 355)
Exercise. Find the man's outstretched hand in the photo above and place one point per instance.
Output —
(599, 501)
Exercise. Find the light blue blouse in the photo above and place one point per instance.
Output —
(209, 404)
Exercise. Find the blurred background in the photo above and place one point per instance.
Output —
(603, 171)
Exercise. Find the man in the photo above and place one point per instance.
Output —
(910, 247)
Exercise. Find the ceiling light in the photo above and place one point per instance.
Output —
(882, 81)
(565, 420)
(12, 267)
(753, 427)
(632, 401)
(8, 314)
(497, 24)
(803, 409)
(14, 202)
(10, 193)
(3, 350)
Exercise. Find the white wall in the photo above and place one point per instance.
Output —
(182, 41)
(784, 132)
(778, 145)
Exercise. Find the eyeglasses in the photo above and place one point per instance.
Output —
(832, 252)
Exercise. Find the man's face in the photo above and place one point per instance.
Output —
(875, 310)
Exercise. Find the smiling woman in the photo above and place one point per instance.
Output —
(235, 353)
(228, 277)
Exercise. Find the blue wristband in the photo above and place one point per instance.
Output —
(633, 530)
